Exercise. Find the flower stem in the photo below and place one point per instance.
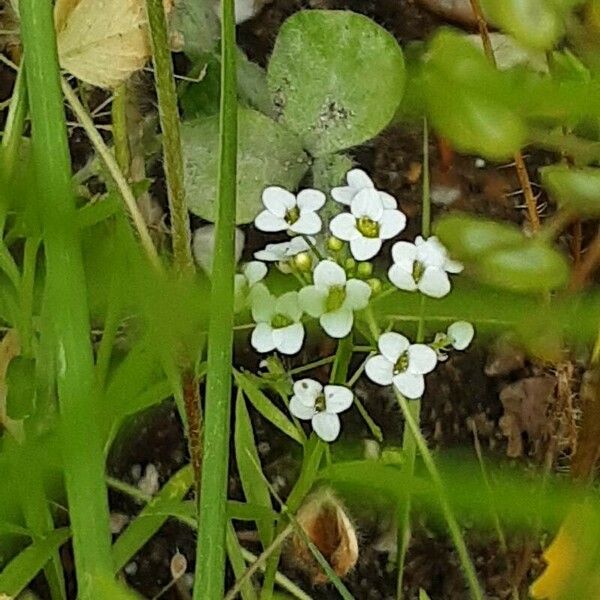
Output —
(453, 526)
(210, 563)
(169, 122)
(66, 293)
(119, 129)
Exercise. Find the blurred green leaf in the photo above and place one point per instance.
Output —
(249, 467)
(423, 595)
(468, 238)
(577, 189)
(335, 95)
(266, 407)
(530, 267)
(20, 380)
(26, 565)
(479, 116)
(268, 154)
(194, 26)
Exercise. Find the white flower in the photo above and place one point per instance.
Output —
(245, 283)
(402, 364)
(460, 334)
(321, 405)
(333, 299)
(358, 180)
(283, 251)
(284, 211)
(422, 266)
(367, 224)
(278, 325)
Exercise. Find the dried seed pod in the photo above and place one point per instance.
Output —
(326, 523)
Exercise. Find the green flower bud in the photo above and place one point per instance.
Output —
(334, 244)
(303, 262)
(364, 270)
(375, 285)
(350, 266)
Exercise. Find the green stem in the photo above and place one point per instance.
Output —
(426, 196)
(453, 526)
(15, 120)
(210, 563)
(66, 293)
(119, 129)
(171, 137)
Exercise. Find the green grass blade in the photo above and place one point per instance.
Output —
(149, 521)
(248, 464)
(266, 407)
(26, 565)
(66, 294)
(212, 513)
(238, 564)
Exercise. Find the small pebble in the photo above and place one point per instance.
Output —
(149, 483)
(118, 522)
(131, 568)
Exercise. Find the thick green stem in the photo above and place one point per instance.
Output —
(169, 123)
(210, 563)
(66, 294)
(119, 129)
(13, 130)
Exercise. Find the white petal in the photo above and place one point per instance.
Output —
(267, 221)
(287, 304)
(255, 271)
(328, 273)
(388, 201)
(358, 179)
(337, 398)
(298, 244)
(312, 300)
(307, 390)
(343, 194)
(434, 282)
(310, 200)
(379, 369)
(309, 223)
(300, 410)
(272, 252)
(288, 340)
(461, 333)
(343, 226)
(402, 278)
(431, 252)
(421, 359)
(338, 323)
(410, 385)
(363, 248)
(367, 203)
(357, 294)
(404, 253)
(392, 345)
(391, 224)
(453, 266)
(326, 426)
(263, 305)
(262, 338)
(278, 201)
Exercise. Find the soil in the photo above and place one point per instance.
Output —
(459, 393)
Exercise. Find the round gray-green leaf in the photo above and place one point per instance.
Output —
(336, 77)
(574, 189)
(268, 154)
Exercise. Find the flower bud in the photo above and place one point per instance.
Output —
(375, 285)
(364, 270)
(326, 524)
(334, 244)
(350, 266)
(303, 262)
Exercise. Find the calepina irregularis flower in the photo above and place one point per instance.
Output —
(333, 275)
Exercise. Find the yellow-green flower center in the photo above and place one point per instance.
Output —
(320, 403)
(335, 298)
(292, 215)
(417, 271)
(368, 227)
(279, 321)
(401, 364)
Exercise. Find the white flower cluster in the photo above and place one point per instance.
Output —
(334, 288)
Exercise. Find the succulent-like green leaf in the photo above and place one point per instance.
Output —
(574, 189)
(337, 78)
(268, 154)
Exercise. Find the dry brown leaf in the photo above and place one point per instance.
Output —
(102, 42)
